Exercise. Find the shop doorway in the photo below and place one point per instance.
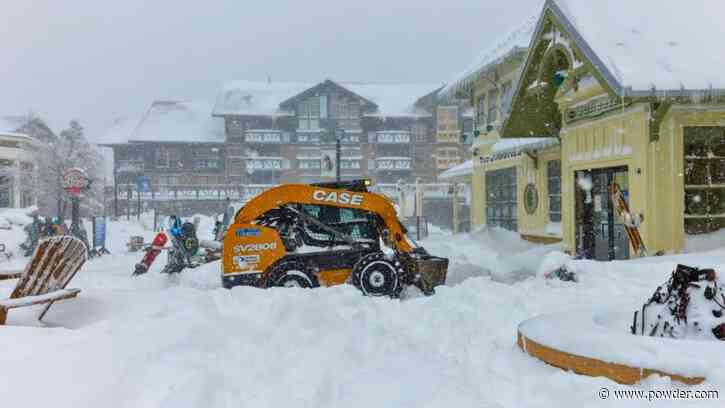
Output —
(600, 231)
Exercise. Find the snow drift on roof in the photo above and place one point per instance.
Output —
(516, 145)
(256, 98)
(169, 121)
(667, 44)
(519, 37)
(263, 98)
(392, 98)
(462, 170)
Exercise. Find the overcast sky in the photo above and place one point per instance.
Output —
(98, 60)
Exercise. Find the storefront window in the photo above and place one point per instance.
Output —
(501, 206)
(704, 179)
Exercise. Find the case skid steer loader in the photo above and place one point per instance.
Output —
(322, 235)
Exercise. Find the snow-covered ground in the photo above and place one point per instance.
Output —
(182, 341)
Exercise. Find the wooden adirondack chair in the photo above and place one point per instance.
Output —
(54, 263)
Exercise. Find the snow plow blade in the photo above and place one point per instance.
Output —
(432, 272)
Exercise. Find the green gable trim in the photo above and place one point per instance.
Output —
(658, 112)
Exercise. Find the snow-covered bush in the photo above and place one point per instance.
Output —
(690, 305)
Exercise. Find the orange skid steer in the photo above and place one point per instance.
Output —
(322, 235)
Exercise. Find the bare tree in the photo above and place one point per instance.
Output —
(70, 150)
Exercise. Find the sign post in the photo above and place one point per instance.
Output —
(75, 182)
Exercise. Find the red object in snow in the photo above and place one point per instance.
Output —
(151, 253)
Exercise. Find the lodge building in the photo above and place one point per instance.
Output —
(187, 157)
(598, 99)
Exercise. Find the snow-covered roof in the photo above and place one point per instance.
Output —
(462, 170)
(263, 98)
(517, 145)
(393, 98)
(666, 44)
(169, 121)
(516, 39)
(256, 97)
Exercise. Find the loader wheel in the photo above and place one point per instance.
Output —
(376, 276)
(291, 274)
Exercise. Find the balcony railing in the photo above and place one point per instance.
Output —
(130, 166)
(266, 164)
(193, 192)
(266, 136)
(391, 136)
(393, 163)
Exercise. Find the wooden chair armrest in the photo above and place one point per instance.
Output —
(4, 275)
(39, 299)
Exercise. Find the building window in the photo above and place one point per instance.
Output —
(166, 157)
(421, 132)
(704, 172)
(309, 113)
(447, 118)
(501, 209)
(553, 174)
(207, 158)
(492, 115)
(347, 115)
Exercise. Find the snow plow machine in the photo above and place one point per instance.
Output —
(311, 235)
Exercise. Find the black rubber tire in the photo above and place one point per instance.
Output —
(291, 274)
(376, 276)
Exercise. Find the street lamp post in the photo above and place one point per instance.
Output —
(339, 135)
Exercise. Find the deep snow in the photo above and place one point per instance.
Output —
(182, 341)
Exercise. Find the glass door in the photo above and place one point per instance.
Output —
(601, 233)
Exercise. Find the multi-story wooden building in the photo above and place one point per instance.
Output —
(191, 157)
(286, 132)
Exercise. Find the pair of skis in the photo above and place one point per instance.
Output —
(631, 222)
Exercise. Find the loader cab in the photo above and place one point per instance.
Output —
(359, 224)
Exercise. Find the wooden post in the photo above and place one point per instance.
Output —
(454, 197)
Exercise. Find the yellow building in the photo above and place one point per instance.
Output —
(515, 181)
(600, 98)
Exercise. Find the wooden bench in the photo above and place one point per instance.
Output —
(55, 262)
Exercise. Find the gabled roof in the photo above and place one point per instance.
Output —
(289, 104)
(168, 121)
(264, 98)
(515, 41)
(637, 45)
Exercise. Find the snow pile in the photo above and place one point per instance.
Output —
(705, 242)
(183, 341)
(16, 216)
(690, 305)
(488, 252)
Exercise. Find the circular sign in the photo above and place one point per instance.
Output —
(531, 199)
(75, 181)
